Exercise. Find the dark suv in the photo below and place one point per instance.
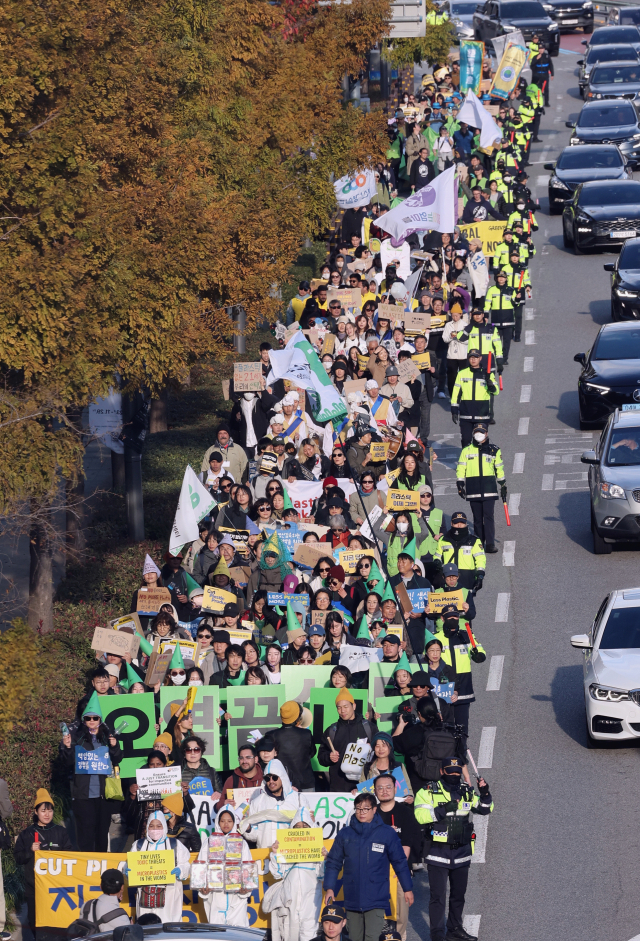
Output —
(495, 18)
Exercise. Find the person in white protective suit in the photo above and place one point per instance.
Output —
(167, 904)
(295, 899)
(227, 908)
(271, 809)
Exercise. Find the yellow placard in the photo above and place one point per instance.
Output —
(439, 600)
(379, 450)
(151, 867)
(490, 233)
(422, 360)
(398, 500)
(363, 362)
(215, 599)
(395, 629)
(300, 846)
(187, 647)
(348, 559)
(391, 476)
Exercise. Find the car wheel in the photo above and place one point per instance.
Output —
(576, 248)
(588, 30)
(566, 241)
(555, 51)
(553, 210)
(600, 547)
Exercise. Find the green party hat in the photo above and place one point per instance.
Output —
(145, 646)
(428, 636)
(388, 594)
(93, 706)
(403, 663)
(375, 573)
(381, 636)
(410, 549)
(293, 624)
(363, 630)
(177, 663)
(192, 585)
(288, 505)
(132, 677)
(379, 589)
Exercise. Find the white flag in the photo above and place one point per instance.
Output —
(432, 207)
(194, 503)
(355, 189)
(474, 114)
(300, 363)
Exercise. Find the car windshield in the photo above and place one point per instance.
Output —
(624, 448)
(618, 116)
(615, 34)
(615, 74)
(463, 9)
(630, 256)
(610, 54)
(591, 159)
(622, 630)
(617, 344)
(629, 16)
(610, 194)
(522, 11)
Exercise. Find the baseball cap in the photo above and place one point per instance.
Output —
(231, 610)
(316, 630)
(473, 353)
(279, 439)
(333, 913)
(390, 935)
(459, 517)
(391, 639)
(450, 569)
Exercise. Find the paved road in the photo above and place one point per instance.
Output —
(561, 848)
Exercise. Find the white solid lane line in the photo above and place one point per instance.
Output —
(518, 463)
(514, 504)
(509, 552)
(523, 426)
(496, 666)
(485, 752)
(528, 364)
(525, 394)
(502, 607)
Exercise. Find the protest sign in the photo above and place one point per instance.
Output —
(200, 787)
(363, 362)
(216, 598)
(358, 659)
(408, 500)
(403, 598)
(318, 617)
(310, 553)
(387, 708)
(151, 868)
(252, 707)
(247, 377)
(355, 385)
(402, 785)
(118, 642)
(348, 297)
(289, 534)
(127, 620)
(95, 761)
(408, 371)
(300, 680)
(349, 558)
(194, 503)
(281, 598)
(373, 516)
(418, 598)
(439, 600)
(302, 494)
(490, 234)
(322, 703)
(379, 679)
(240, 574)
(150, 600)
(239, 637)
(105, 421)
(137, 738)
(417, 323)
(330, 811)
(187, 648)
(242, 795)
(157, 667)
(379, 450)
(422, 361)
(239, 538)
(443, 690)
(328, 344)
(392, 475)
(391, 312)
(205, 712)
(300, 846)
(155, 783)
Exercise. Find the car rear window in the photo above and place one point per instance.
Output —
(519, 11)
(622, 630)
(616, 74)
(617, 344)
(615, 34)
(624, 448)
(610, 54)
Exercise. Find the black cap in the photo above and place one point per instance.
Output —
(111, 881)
(459, 517)
(231, 611)
(279, 439)
(473, 353)
(333, 912)
(449, 609)
(221, 637)
(391, 639)
(420, 678)
(390, 935)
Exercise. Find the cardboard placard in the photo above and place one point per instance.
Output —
(157, 667)
(439, 600)
(328, 344)
(391, 312)
(374, 246)
(151, 868)
(187, 648)
(247, 377)
(118, 642)
(408, 371)
(403, 598)
(318, 617)
(417, 323)
(150, 600)
(398, 500)
(355, 385)
(155, 783)
(216, 598)
(422, 360)
(379, 450)
(300, 846)
(348, 297)
(127, 620)
(349, 558)
(310, 553)
(240, 574)
(312, 336)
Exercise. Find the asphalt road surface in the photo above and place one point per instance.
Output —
(558, 857)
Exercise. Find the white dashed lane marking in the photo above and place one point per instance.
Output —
(509, 553)
(529, 337)
(502, 607)
(523, 426)
(485, 752)
(496, 666)
(518, 463)
(514, 504)
(525, 394)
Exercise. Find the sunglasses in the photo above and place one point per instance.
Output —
(177, 673)
(271, 777)
(206, 636)
(193, 751)
(324, 568)
(335, 581)
(305, 660)
(91, 718)
(264, 509)
(225, 486)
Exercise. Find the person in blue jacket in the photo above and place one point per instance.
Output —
(365, 849)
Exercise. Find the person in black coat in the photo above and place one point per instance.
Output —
(295, 747)
(259, 405)
(349, 728)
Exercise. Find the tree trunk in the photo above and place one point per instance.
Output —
(117, 471)
(40, 614)
(158, 413)
(75, 535)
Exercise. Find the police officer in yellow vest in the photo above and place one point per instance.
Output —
(451, 577)
(464, 550)
(459, 648)
(519, 279)
(471, 396)
(484, 337)
(444, 807)
(479, 471)
(436, 17)
(499, 301)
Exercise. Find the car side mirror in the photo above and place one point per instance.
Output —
(580, 358)
(549, 166)
(579, 61)
(570, 124)
(610, 266)
(589, 457)
(585, 42)
(581, 641)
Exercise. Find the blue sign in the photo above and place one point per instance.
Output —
(281, 598)
(418, 598)
(96, 761)
(201, 786)
(402, 785)
(289, 534)
(443, 690)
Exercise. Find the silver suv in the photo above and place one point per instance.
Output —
(614, 481)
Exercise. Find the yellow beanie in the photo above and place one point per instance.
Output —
(290, 712)
(43, 796)
(164, 739)
(174, 803)
(345, 695)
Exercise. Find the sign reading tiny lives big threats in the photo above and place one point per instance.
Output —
(151, 868)
(247, 377)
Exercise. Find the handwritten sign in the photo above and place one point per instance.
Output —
(390, 312)
(363, 362)
(418, 598)
(151, 868)
(443, 690)
(402, 785)
(280, 598)
(310, 553)
(247, 377)
(356, 385)
(127, 620)
(96, 761)
(346, 296)
(408, 370)
(242, 795)
(155, 783)
(150, 600)
(439, 600)
(300, 846)
(398, 500)
(417, 323)
(328, 344)
(349, 558)
(379, 450)
(216, 598)
(318, 617)
(157, 667)
(422, 361)
(119, 642)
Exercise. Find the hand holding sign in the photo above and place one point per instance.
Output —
(446, 691)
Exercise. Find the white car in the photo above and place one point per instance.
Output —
(612, 668)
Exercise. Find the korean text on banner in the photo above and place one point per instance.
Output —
(357, 189)
(471, 56)
(300, 846)
(247, 377)
(489, 233)
(96, 761)
(155, 783)
(105, 421)
(432, 207)
(194, 503)
(506, 78)
(151, 868)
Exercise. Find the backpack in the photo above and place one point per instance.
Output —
(85, 926)
(439, 744)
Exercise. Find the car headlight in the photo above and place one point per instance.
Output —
(593, 387)
(581, 219)
(611, 491)
(558, 184)
(552, 27)
(622, 292)
(547, 8)
(606, 694)
(575, 140)
(587, 6)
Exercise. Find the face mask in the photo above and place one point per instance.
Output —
(520, 206)
(248, 396)
(479, 438)
(196, 683)
(450, 781)
(178, 680)
(327, 367)
(402, 527)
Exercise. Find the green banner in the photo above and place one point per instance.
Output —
(252, 708)
(324, 712)
(387, 707)
(300, 680)
(206, 710)
(136, 741)
(380, 677)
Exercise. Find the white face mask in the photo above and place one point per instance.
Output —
(402, 527)
(196, 683)
(327, 367)
(520, 206)
(479, 438)
(178, 680)
(248, 396)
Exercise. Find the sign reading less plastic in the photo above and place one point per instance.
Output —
(300, 846)
(439, 600)
(151, 868)
(398, 500)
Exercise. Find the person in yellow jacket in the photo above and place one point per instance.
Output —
(479, 472)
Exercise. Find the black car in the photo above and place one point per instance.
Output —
(624, 16)
(609, 122)
(581, 164)
(610, 376)
(570, 14)
(620, 35)
(602, 215)
(610, 53)
(495, 18)
(625, 282)
(614, 80)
